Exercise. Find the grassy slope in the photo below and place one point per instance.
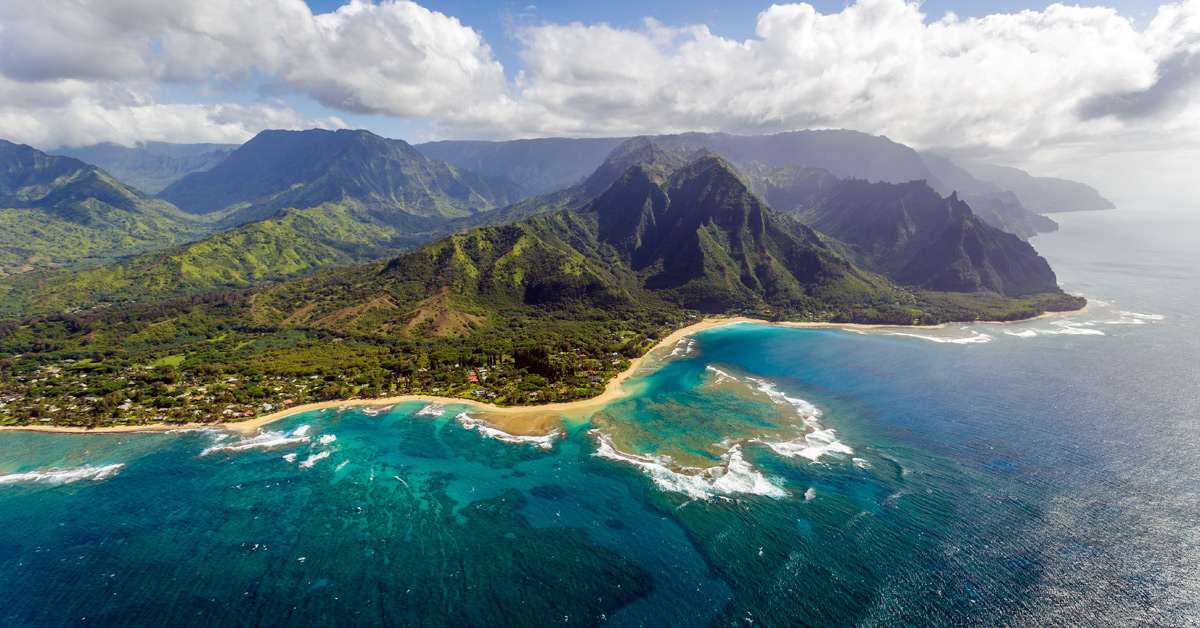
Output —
(288, 245)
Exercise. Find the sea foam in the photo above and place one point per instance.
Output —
(813, 446)
(265, 440)
(63, 475)
(684, 347)
(471, 423)
(974, 338)
(735, 476)
(819, 441)
(434, 409)
(313, 459)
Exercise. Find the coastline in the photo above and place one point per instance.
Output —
(507, 418)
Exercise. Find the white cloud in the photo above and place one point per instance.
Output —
(102, 66)
(1002, 82)
(1008, 86)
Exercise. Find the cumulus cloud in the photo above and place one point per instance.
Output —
(91, 63)
(75, 71)
(1001, 82)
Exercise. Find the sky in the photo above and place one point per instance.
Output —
(1101, 92)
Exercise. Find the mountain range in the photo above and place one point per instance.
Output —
(300, 169)
(311, 284)
(59, 211)
(308, 200)
(547, 165)
(150, 166)
(299, 202)
(695, 238)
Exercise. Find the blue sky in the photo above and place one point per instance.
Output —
(1081, 91)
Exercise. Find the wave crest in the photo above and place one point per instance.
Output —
(735, 476)
(264, 440)
(63, 475)
(471, 423)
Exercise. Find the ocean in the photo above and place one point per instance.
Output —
(1044, 473)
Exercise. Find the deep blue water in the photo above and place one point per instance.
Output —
(1042, 473)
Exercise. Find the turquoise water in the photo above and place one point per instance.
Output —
(1043, 473)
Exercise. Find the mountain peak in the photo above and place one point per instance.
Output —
(302, 169)
(640, 150)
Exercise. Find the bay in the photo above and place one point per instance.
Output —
(1040, 473)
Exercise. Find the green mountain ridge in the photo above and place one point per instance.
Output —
(373, 198)
(696, 238)
(301, 169)
(59, 211)
(998, 207)
(916, 237)
(551, 306)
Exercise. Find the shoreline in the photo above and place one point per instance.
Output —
(612, 390)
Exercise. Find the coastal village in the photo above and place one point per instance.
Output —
(83, 393)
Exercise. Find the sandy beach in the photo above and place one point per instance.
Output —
(519, 420)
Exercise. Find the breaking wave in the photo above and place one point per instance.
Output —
(734, 476)
(434, 409)
(974, 338)
(313, 459)
(264, 440)
(813, 445)
(471, 423)
(63, 475)
(685, 347)
(818, 442)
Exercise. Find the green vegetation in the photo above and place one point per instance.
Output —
(58, 211)
(310, 200)
(110, 367)
(300, 169)
(545, 309)
(287, 245)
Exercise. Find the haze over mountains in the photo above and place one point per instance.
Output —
(303, 252)
(59, 211)
(551, 164)
(300, 169)
(150, 166)
(288, 203)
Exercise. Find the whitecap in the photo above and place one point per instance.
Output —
(1144, 317)
(861, 463)
(326, 439)
(471, 423)
(313, 459)
(807, 411)
(974, 338)
(720, 376)
(817, 443)
(341, 464)
(1072, 328)
(736, 476)
(434, 409)
(813, 446)
(1026, 333)
(63, 475)
(810, 494)
(1134, 318)
(290, 457)
(264, 440)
